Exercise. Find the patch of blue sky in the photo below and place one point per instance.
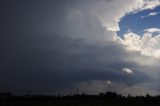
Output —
(136, 23)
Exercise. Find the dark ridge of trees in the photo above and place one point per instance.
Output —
(103, 99)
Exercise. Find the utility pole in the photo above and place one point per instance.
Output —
(77, 91)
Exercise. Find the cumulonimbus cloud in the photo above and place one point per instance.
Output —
(76, 42)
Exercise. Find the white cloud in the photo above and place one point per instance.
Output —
(127, 70)
(146, 45)
(150, 4)
(153, 14)
(150, 14)
(152, 30)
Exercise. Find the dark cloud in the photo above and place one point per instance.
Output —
(48, 45)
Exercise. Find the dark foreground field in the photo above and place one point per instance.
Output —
(107, 99)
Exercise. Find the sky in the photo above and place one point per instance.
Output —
(57, 46)
(143, 19)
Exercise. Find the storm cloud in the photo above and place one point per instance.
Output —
(50, 46)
